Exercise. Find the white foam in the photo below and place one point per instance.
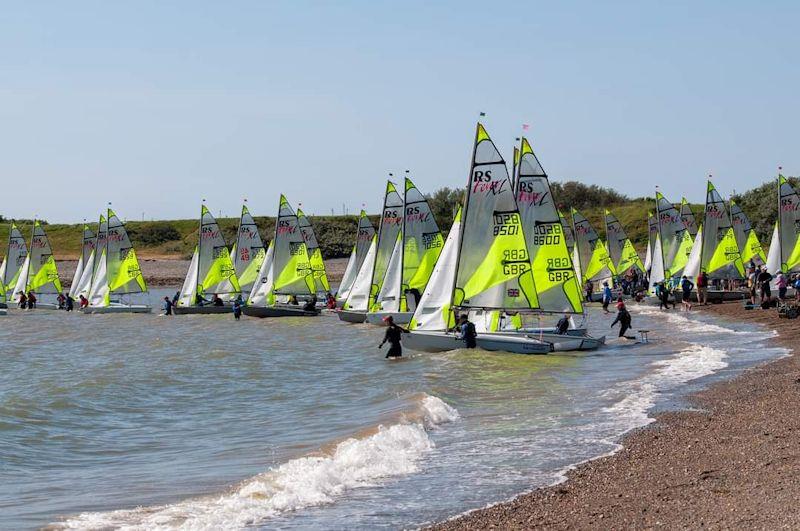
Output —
(307, 481)
(640, 395)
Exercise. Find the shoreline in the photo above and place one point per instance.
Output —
(725, 461)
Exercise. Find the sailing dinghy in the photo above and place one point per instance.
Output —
(286, 272)
(784, 249)
(85, 261)
(672, 246)
(374, 269)
(485, 265)
(590, 256)
(414, 256)
(715, 249)
(16, 254)
(364, 236)
(623, 254)
(117, 275)
(39, 273)
(211, 272)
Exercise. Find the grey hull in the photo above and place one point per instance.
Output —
(350, 316)
(441, 342)
(117, 308)
(377, 318)
(201, 310)
(277, 311)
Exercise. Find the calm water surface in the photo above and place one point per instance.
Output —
(202, 422)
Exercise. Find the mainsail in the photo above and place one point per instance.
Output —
(494, 268)
(675, 240)
(117, 271)
(786, 238)
(590, 255)
(211, 270)
(556, 283)
(620, 248)
(16, 254)
(320, 276)
(358, 299)
(746, 238)
(364, 237)
(39, 272)
(388, 233)
(688, 217)
(720, 257)
(85, 260)
(248, 251)
(91, 265)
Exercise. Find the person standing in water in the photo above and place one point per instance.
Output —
(606, 296)
(70, 303)
(623, 318)
(237, 309)
(686, 286)
(176, 298)
(702, 288)
(467, 331)
(167, 306)
(392, 336)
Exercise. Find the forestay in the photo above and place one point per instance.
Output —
(494, 268)
(554, 276)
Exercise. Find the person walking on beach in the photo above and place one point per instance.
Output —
(588, 288)
(392, 336)
(781, 284)
(686, 286)
(167, 306)
(467, 332)
(702, 288)
(606, 296)
(764, 279)
(623, 318)
(237, 309)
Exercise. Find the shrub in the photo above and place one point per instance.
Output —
(153, 234)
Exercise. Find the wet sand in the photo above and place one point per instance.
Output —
(732, 463)
(171, 272)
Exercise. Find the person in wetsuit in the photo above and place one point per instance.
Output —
(393, 333)
(467, 331)
(623, 318)
(563, 325)
(311, 304)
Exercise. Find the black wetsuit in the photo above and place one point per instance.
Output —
(468, 334)
(392, 337)
(562, 326)
(624, 320)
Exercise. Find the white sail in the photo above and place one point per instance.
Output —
(87, 249)
(720, 256)
(263, 284)
(657, 268)
(21, 286)
(774, 256)
(84, 283)
(188, 294)
(364, 235)
(648, 258)
(693, 266)
(390, 226)
(76, 278)
(388, 299)
(433, 311)
(99, 293)
(359, 298)
(16, 253)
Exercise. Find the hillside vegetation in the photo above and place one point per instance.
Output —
(177, 238)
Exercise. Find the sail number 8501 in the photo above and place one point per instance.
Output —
(506, 224)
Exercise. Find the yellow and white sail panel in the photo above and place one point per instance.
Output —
(720, 252)
(390, 226)
(620, 248)
(676, 242)
(494, 268)
(16, 255)
(39, 273)
(359, 296)
(592, 254)
(788, 226)
(291, 265)
(261, 294)
(248, 252)
(124, 274)
(318, 272)
(554, 276)
(746, 237)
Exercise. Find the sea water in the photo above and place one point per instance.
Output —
(201, 422)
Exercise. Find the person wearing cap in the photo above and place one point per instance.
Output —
(392, 336)
(606, 296)
(623, 318)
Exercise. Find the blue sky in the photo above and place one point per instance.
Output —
(156, 105)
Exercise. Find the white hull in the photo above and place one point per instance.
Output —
(350, 316)
(118, 308)
(377, 318)
(441, 342)
(44, 306)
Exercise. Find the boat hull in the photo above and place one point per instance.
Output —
(277, 311)
(426, 341)
(201, 310)
(350, 316)
(377, 318)
(117, 308)
(714, 296)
